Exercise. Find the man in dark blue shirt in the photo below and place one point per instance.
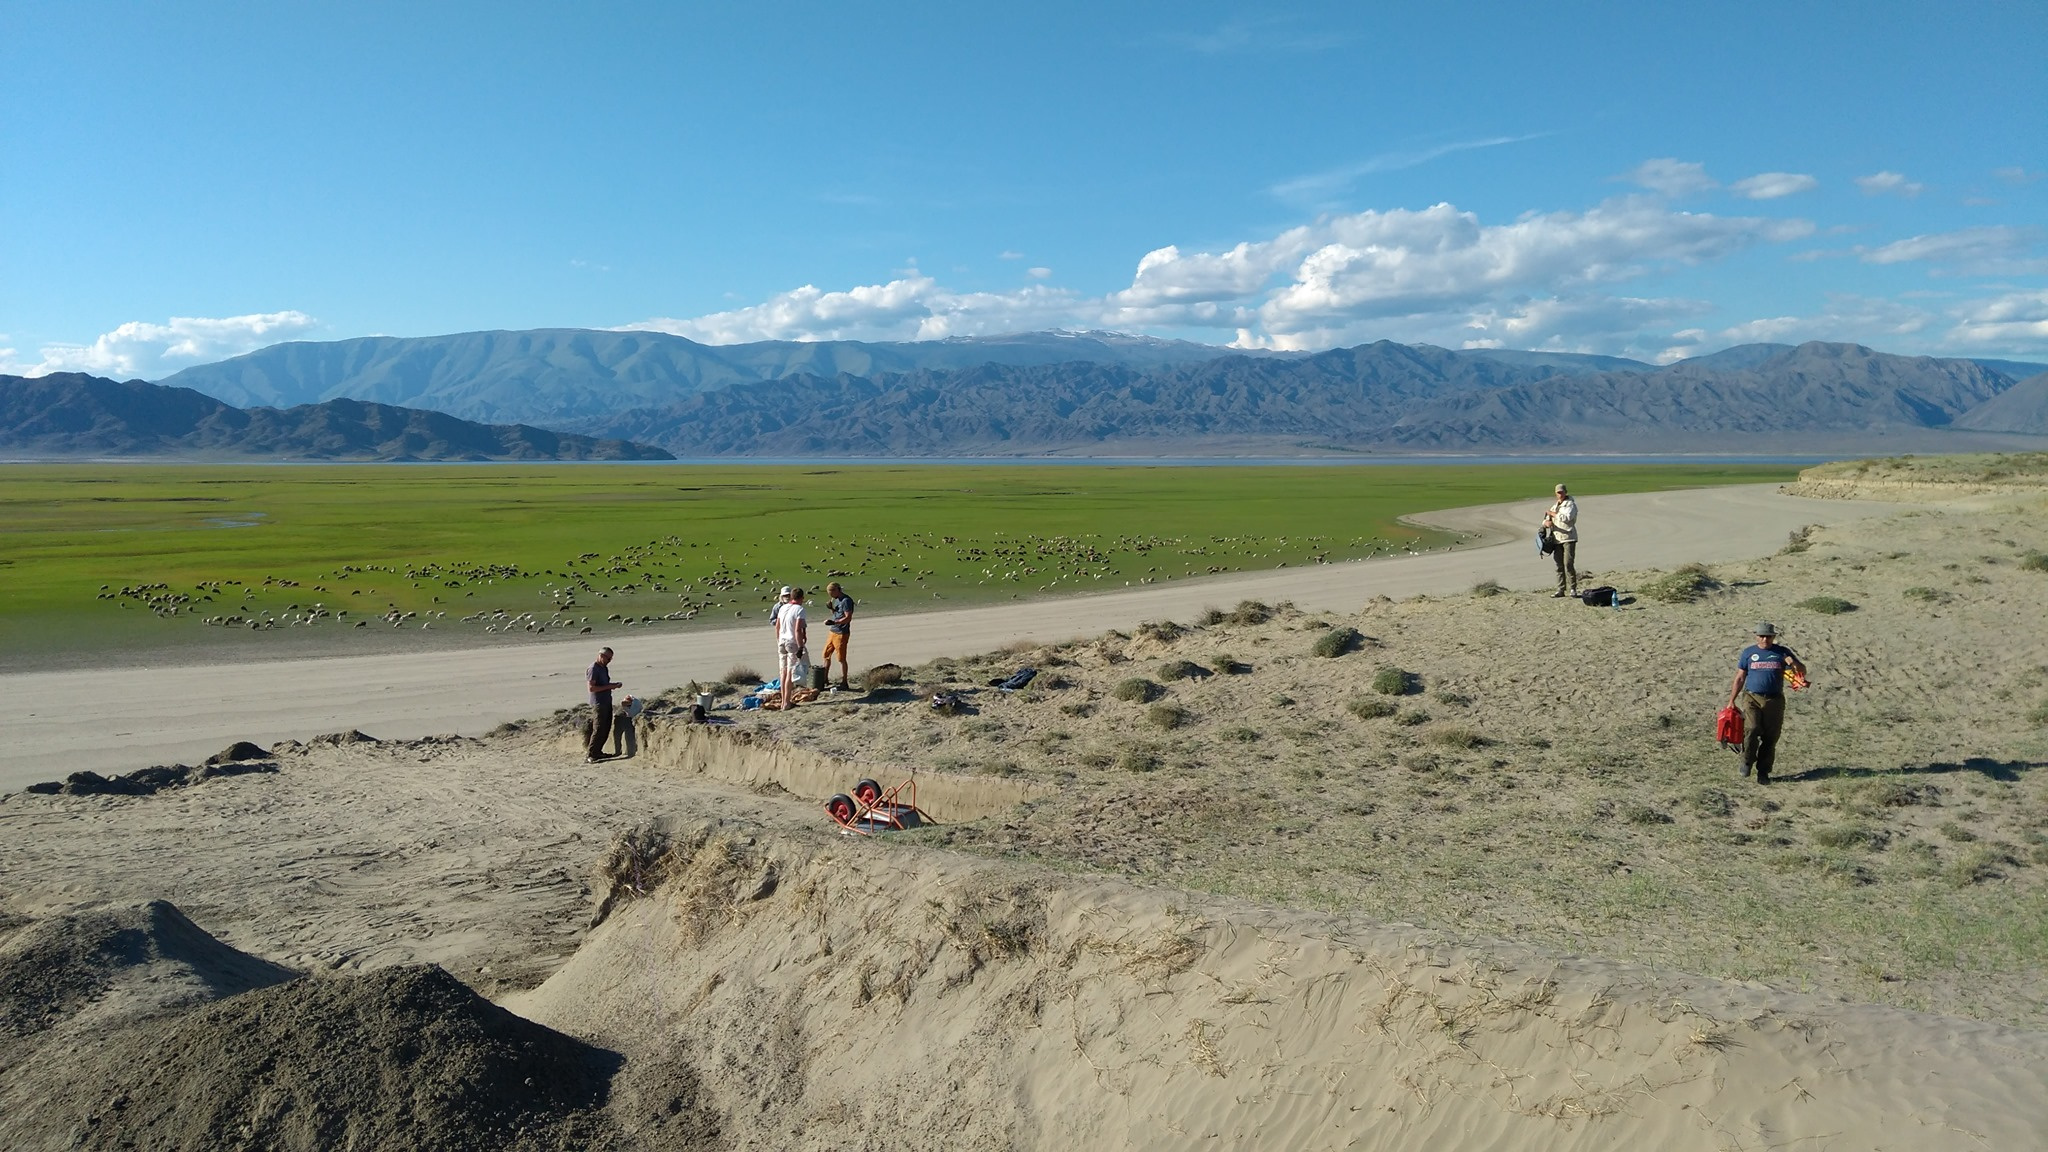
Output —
(601, 685)
(1759, 688)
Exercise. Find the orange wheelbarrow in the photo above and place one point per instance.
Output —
(872, 808)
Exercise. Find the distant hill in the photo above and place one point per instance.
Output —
(1385, 396)
(553, 375)
(72, 414)
(2020, 408)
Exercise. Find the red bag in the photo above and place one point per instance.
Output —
(1728, 726)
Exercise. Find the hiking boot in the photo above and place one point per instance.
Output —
(1746, 766)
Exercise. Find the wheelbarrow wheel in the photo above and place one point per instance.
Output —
(841, 807)
(868, 792)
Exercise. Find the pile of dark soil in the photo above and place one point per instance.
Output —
(52, 967)
(403, 1058)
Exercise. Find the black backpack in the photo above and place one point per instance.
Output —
(1601, 597)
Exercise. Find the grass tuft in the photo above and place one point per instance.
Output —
(1926, 595)
(2035, 562)
(1368, 708)
(1827, 605)
(1251, 612)
(1458, 738)
(742, 674)
(1181, 670)
(1392, 681)
(1137, 690)
(1687, 584)
(881, 676)
(1337, 641)
(1487, 588)
(1166, 716)
(1138, 758)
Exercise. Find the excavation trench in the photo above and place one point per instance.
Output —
(831, 994)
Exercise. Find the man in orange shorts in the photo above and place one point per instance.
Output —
(838, 627)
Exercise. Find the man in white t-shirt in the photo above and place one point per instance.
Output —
(790, 637)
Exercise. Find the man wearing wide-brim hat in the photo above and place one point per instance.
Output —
(1760, 675)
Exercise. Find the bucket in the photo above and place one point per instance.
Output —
(704, 701)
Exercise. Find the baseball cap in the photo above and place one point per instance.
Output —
(784, 592)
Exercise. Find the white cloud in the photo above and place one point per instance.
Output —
(2017, 175)
(152, 351)
(1671, 177)
(914, 307)
(1039, 273)
(1880, 183)
(1008, 254)
(1773, 185)
(2016, 322)
(1320, 186)
(1989, 251)
(1437, 274)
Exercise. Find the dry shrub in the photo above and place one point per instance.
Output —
(741, 674)
(1458, 738)
(881, 676)
(1137, 690)
(991, 922)
(1367, 708)
(1181, 670)
(1487, 588)
(1827, 605)
(1392, 681)
(1687, 584)
(1337, 641)
(1212, 615)
(1166, 715)
(1251, 612)
(1164, 631)
(2035, 561)
(1138, 758)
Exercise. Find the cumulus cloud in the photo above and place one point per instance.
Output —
(1881, 183)
(2015, 322)
(1436, 274)
(911, 308)
(151, 351)
(1671, 177)
(1773, 185)
(1039, 273)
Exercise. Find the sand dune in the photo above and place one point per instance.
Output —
(120, 719)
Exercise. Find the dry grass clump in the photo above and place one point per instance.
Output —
(1164, 631)
(1687, 584)
(1337, 641)
(741, 674)
(881, 676)
(2035, 562)
(1181, 670)
(1458, 738)
(1487, 588)
(1137, 690)
(1368, 708)
(1799, 540)
(1926, 595)
(1391, 681)
(2038, 715)
(1229, 665)
(1250, 612)
(1166, 715)
(1138, 758)
(1827, 605)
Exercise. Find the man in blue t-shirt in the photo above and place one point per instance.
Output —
(1759, 688)
(601, 685)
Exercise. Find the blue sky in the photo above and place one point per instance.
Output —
(186, 182)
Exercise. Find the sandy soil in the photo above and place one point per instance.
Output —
(119, 719)
(1241, 914)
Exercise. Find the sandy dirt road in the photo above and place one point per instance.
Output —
(117, 720)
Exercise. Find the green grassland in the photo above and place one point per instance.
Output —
(101, 557)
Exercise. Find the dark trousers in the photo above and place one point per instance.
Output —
(600, 728)
(625, 742)
(1567, 557)
(1763, 718)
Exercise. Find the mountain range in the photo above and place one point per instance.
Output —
(72, 414)
(1085, 393)
(1377, 397)
(548, 376)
